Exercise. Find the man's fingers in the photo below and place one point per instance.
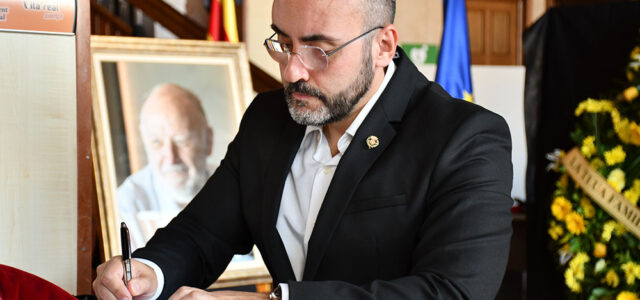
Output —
(116, 286)
(108, 284)
(184, 293)
(141, 286)
(144, 281)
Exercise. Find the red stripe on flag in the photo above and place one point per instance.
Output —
(216, 27)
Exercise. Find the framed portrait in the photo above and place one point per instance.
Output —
(164, 113)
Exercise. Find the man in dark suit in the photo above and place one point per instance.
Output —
(360, 180)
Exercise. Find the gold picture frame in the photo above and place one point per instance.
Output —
(124, 70)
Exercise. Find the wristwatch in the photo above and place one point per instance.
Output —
(276, 294)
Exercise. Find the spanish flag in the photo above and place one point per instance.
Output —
(222, 21)
(454, 61)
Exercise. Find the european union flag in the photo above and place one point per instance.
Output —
(454, 61)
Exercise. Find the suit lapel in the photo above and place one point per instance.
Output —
(359, 158)
(352, 167)
(275, 177)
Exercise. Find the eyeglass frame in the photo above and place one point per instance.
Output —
(325, 53)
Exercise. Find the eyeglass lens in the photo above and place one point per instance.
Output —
(311, 57)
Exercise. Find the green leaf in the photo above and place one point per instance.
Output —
(600, 292)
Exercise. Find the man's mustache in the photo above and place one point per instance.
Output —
(305, 88)
(174, 168)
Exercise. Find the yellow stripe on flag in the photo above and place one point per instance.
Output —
(229, 20)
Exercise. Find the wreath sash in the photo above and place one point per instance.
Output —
(601, 192)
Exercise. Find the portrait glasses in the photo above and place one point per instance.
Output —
(312, 57)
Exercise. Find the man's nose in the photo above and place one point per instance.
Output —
(170, 153)
(295, 70)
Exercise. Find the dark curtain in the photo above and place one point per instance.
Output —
(573, 52)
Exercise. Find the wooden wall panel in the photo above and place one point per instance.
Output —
(495, 31)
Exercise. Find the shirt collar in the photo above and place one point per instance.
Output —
(367, 107)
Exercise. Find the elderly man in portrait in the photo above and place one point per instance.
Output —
(361, 179)
(177, 140)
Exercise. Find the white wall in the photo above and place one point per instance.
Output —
(38, 162)
(501, 90)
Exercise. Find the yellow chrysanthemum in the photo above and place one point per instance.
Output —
(596, 163)
(588, 208)
(560, 207)
(616, 179)
(633, 193)
(575, 272)
(588, 146)
(611, 279)
(619, 229)
(614, 156)
(626, 295)
(555, 230)
(612, 226)
(631, 272)
(594, 106)
(571, 281)
(575, 223)
(599, 250)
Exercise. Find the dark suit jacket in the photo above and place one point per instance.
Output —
(425, 215)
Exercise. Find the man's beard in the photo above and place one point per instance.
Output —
(334, 108)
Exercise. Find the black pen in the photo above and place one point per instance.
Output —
(126, 252)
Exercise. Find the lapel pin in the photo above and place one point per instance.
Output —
(372, 141)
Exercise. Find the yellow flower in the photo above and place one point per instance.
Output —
(575, 271)
(611, 279)
(594, 106)
(560, 207)
(616, 179)
(587, 208)
(633, 194)
(599, 250)
(611, 226)
(575, 223)
(571, 281)
(588, 146)
(634, 131)
(631, 272)
(614, 156)
(555, 230)
(630, 93)
(619, 229)
(597, 163)
(626, 295)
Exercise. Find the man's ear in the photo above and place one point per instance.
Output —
(386, 42)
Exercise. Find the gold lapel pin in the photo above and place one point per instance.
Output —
(372, 141)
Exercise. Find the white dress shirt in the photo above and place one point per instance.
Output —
(305, 187)
(308, 181)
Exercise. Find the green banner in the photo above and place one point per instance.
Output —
(421, 53)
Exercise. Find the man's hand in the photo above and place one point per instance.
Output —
(109, 283)
(189, 293)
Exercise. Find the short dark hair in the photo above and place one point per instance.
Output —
(378, 12)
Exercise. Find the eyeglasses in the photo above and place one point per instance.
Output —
(312, 57)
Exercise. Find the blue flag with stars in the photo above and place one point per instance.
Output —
(454, 60)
